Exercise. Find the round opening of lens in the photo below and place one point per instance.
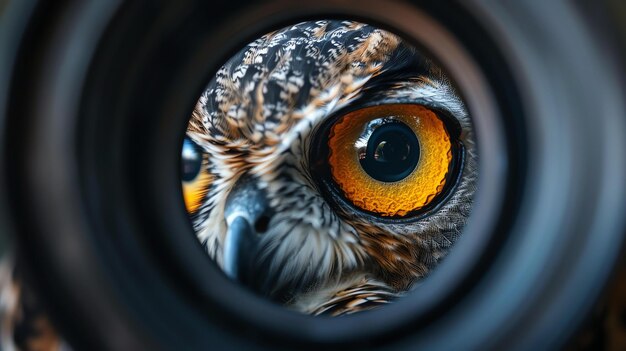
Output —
(329, 166)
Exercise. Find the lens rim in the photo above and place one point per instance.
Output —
(207, 289)
(117, 260)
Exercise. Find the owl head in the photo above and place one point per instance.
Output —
(329, 166)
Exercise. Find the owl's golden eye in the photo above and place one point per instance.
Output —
(195, 178)
(391, 160)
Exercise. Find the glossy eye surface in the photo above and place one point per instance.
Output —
(390, 160)
(194, 176)
(388, 150)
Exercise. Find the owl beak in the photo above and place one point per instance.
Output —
(245, 205)
(240, 245)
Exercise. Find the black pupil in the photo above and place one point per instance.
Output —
(392, 152)
(191, 160)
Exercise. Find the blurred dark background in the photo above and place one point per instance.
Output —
(605, 328)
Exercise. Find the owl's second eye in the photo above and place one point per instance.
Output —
(390, 160)
(194, 175)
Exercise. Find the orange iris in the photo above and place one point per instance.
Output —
(196, 189)
(390, 198)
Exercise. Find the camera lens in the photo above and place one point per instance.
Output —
(414, 175)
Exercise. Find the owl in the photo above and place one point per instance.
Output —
(329, 166)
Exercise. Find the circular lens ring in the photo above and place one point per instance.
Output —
(206, 289)
(530, 296)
